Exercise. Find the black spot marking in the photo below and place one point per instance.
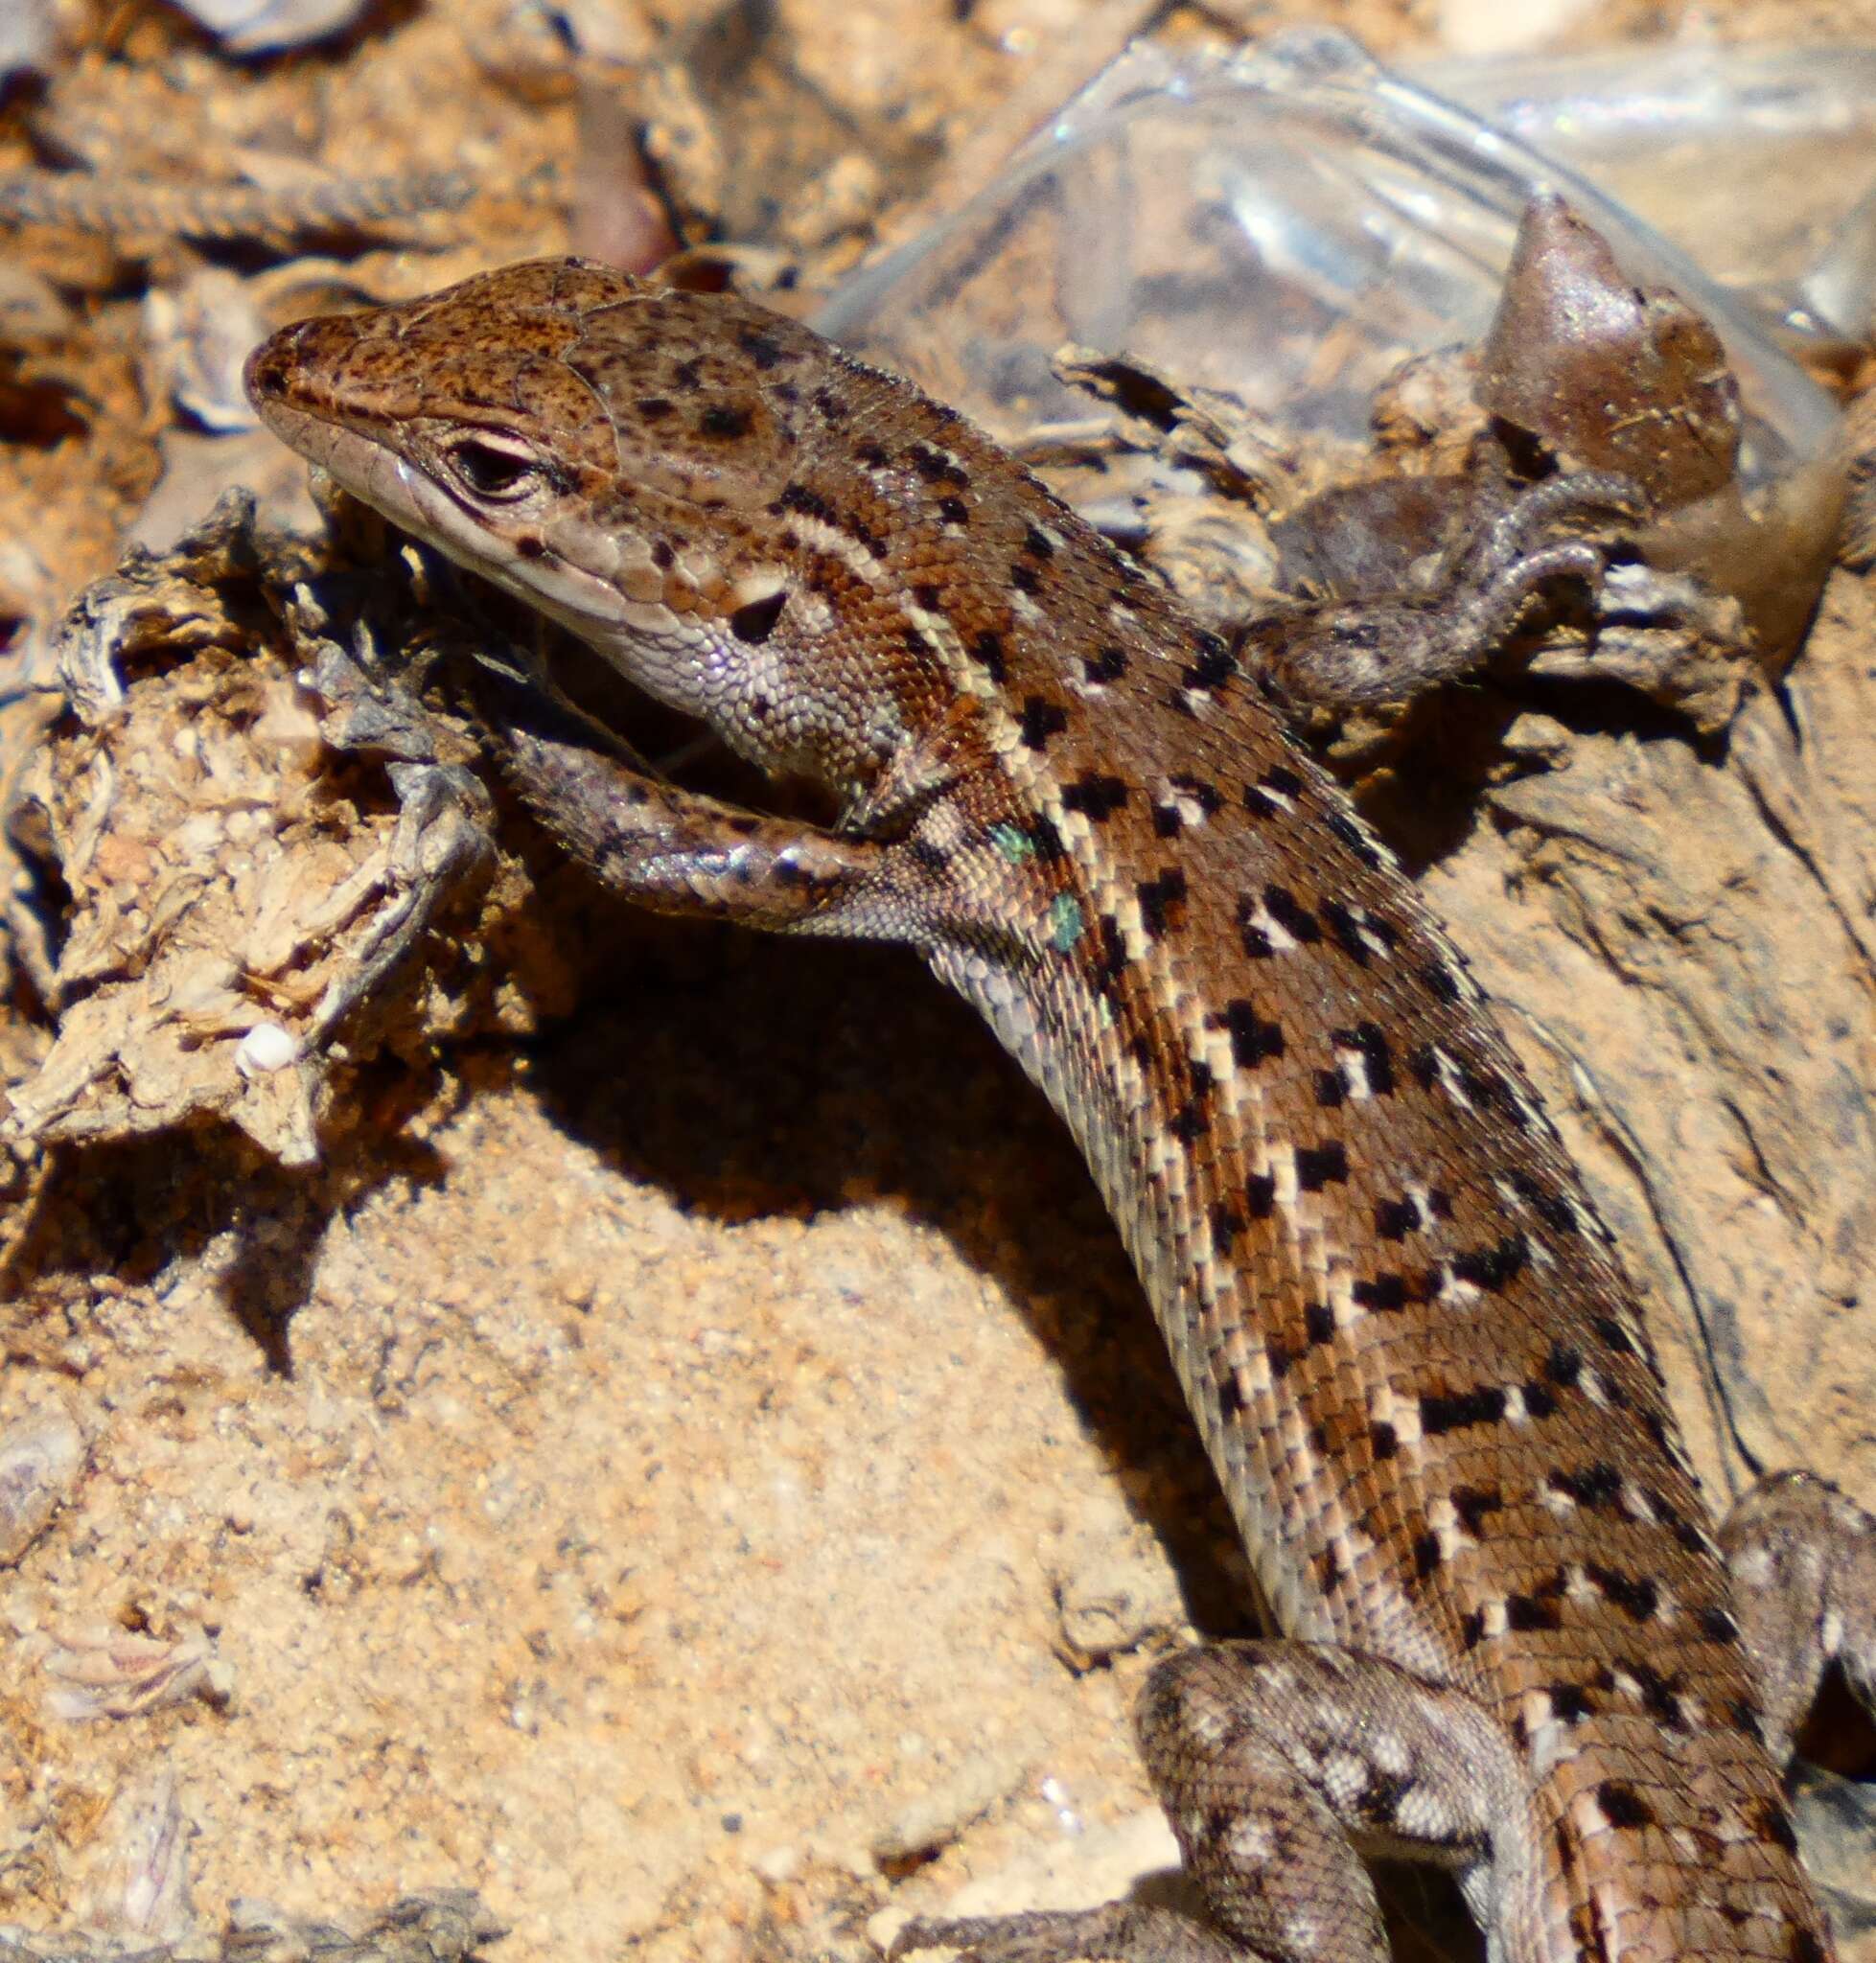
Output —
(936, 468)
(663, 556)
(1440, 982)
(1538, 1402)
(1190, 1122)
(1550, 1207)
(1381, 1799)
(1386, 1293)
(653, 409)
(1026, 579)
(1260, 1194)
(1253, 1040)
(831, 405)
(1425, 1065)
(1230, 1395)
(1353, 837)
(1384, 1440)
(1806, 1948)
(1037, 544)
(1775, 1822)
(1279, 1356)
(1717, 1626)
(756, 622)
(1272, 794)
(724, 420)
(954, 511)
(1162, 903)
(929, 598)
(1473, 1503)
(1108, 664)
(1041, 720)
(1330, 1571)
(1636, 1597)
(1330, 1089)
(1614, 1336)
(1258, 944)
(1368, 1041)
(1319, 1322)
(809, 503)
(1426, 1554)
(1524, 1612)
(1096, 794)
(1623, 1806)
(1472, 1628)
(1395, 1219)
(1213, 668)
(1347, 930)
(763, 348)
(1227, 1224)
(1661, 1695)
(1443, 1411)
(1596, 1486)
(688, 374)
(1683, 1530)
(933, 859)
(1568, 1701)
(1112, 963)
(1746, 1715)
(1296, 920)
(1564, 1365)
(1209, 798)
(1046, 839)
(988, 651)
(872, 455)
(1321, 1166)
(1494, 1268)
(530, 545)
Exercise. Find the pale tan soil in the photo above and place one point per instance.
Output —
(670, 1474)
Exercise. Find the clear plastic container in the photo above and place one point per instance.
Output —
(1288, 224)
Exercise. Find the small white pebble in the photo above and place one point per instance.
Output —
(778, 1866)
(265, 1048)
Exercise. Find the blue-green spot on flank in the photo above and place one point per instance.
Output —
(1012, 842)
(1066, 925)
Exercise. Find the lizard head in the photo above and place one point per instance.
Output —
(666, 473)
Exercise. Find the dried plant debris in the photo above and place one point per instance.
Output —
(1582, 373)
(254, 832)
(450, 1925)
(132, 1881)
(116, 1672)
(315, 206)
(1609, 376)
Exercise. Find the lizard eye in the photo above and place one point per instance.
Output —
(494, 467)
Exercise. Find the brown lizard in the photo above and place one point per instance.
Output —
(1512, 1643)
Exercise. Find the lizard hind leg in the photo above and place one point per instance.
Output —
(1803, 1564)
(1279, 1764)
